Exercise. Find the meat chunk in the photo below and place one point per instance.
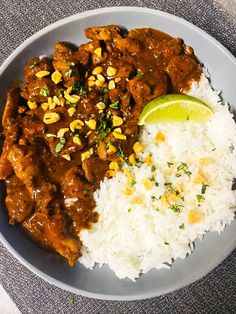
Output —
(95, 169)
(11, 107)
(35, 65)
(127, 44)
(75, 185)
(64, 244)
(38, 89)
(103, 32)
(182, 69)
(168, 48)
(18, 200)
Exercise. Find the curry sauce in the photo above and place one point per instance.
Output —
(74, 123)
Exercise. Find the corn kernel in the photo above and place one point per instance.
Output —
(101, 78)
(61, 132)
(91, 83)
(56, 100)
(72, 98)
(98, 52)
(111, 150)
(71, 111)
(68, 91)
(165, 201)
(21, 109)
(128, 191)
(42, 73)
(99, 83)
(136, 200)
(148, 160)
(111, 84)
(97, 70)
(119, 136)
(194, 217)
(56, 77)
(45, 106)
(205, 161)
(160, 137)
(117, 121)
(111, 71)
(138, 148)
(132, 159)
(91, 78)
(51, 117)
(114, 166)
(76, 125)
(32, 104)
(148, 184)
(199, 178)
(77, 140)
(101, 105)
(67, 157)
(85, 155)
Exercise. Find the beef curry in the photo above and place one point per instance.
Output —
(74, 122)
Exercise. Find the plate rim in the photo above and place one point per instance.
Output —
(31, 267)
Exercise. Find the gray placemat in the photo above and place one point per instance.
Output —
(216, 292)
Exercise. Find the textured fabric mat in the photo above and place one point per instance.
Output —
(216, 292)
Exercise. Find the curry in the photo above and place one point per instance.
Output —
(74, 122)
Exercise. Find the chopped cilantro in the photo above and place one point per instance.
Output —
(181, 226)
(79, 89)
(213, 149)
(114, 105)
(152, 178)
(129, 210)
(169, 164)
(204, 187)
(153, 168)
(71, 301)
(184, 167)
(176, 208)
(34, 65)
(68, 73)
(132, 183)
(200, 198)
(44, 91)
(157, 209)
(166, 243)
(156, 184)
(178, 175)
(120, 152)
(138, 162)
(60, 145)
(169, 187)
(153, 197)
(103, 99)
(140, 74)
(105, 90)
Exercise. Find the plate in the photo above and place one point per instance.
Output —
(101, 283)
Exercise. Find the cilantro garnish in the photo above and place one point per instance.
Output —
(44, 91)
(153, 168)
(140, 74)
(60, 145)
(114, 105)
(176, 208)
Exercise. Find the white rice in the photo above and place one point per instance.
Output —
(133, 239)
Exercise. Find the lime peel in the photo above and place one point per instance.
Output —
(175, 108)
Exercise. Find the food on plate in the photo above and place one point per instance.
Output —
(93, 173)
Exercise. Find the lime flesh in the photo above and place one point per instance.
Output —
(175, 108)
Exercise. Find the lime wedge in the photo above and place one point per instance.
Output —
(175, 108)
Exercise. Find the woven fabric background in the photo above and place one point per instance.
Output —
(216, 292)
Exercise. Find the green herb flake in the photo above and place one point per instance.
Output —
(68, 73)
(60, 145)
(138, 163)
(114, 105)
(176, 208)
(200, 198)
(166, 243)
(105, 90)
(178, 175)
(169, 164)
(213, 149)
(120, 152)
(132, 183)
(44, 91)
(152, 178)
(129, 210)
(71, 301)
(157, 209)
(184, 167)
(204, 187)
(156, 184)
(153, 168)
(140, 74)
(181, 226)
(153, 197)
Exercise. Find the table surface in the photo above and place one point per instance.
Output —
(214, 293)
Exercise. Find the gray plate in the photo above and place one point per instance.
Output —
(101, 283)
